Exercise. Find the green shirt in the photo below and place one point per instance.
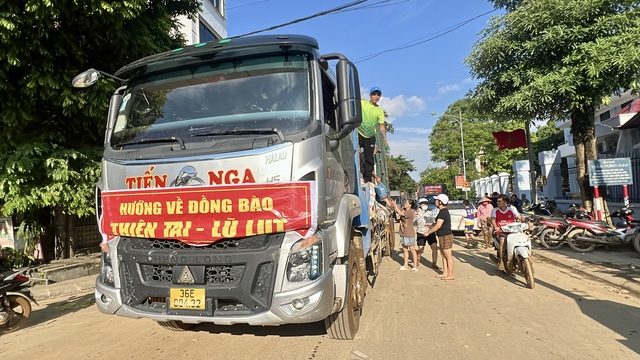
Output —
(371, 116)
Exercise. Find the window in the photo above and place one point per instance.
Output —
(624, 105)
(605, 115)
(205, 33)
(252, 93)
(329, 101)
(217, 4)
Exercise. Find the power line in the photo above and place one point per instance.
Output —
(376, 5)
(322, 13)
(245, 5)
(430, 37)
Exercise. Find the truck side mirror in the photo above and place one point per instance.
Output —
(85, 79)
(349, 107)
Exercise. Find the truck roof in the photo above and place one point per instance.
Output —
(195, 54)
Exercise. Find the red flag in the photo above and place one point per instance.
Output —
(510, 140)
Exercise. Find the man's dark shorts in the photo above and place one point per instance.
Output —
(431, 239)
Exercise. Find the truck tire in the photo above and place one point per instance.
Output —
(174, 325)
(344, 324)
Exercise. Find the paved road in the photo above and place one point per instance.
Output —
(480, 315)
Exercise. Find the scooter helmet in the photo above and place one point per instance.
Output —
(581, 215)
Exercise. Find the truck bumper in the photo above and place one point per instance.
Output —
(310, 303)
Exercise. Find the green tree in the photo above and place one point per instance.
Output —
(549, 59)
(398, 169)
(547, 137)
(51, 138)
(444, 175)
(446, 145)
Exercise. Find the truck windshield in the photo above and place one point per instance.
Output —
(221, 98)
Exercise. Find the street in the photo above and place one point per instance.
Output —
(480, 315)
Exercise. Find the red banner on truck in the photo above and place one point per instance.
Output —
(201, 215)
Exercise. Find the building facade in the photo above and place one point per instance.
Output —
(617, 130)
(210, 24)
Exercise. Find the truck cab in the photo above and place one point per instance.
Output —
(230, 190)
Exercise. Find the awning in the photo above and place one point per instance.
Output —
(631, 123)
(632, 107)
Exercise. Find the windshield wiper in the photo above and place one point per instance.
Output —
(241, 132)
(156, 140)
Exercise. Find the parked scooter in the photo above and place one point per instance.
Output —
(517, 251)
(584, 235)
(15, 300)
(544, 207)
(552, 230)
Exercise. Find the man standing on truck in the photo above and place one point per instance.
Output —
(372, 118)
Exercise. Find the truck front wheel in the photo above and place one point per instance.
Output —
(344, 324)
(176, 325)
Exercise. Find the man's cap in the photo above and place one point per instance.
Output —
(443, 198)
(423, 200)
(374, 89)
(484, 199)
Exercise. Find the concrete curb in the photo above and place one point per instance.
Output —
(69, 287)
(588, 269)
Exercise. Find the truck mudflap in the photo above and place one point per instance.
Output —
(310, 303)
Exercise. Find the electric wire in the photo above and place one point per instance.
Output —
(430, 37)
(322, 13)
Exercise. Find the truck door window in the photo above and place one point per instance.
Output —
(329, 102)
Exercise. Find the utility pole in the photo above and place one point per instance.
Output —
(464, 165)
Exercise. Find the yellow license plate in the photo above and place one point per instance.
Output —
(187, 299)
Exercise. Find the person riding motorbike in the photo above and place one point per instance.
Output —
(502, 215)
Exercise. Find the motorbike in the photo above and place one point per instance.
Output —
(544, 207)
(517, 251)
(15, 300)
(584, 235)
(551, 230)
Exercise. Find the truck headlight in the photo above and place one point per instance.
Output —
(305, 260)
(107, 267)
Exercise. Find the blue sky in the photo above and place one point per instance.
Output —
(415, 81)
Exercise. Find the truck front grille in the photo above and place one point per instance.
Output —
(217, 274)
(238, 274)
(252, 243)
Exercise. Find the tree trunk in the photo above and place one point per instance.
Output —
(584, 139)
(61, 234)
(71, 231)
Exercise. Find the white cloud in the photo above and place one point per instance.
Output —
(400, 106)
(455, 87)
(412, 130)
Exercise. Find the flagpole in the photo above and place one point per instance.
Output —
(532, 170)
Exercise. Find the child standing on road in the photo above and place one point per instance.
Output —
(407, 232)
(469, 222)
(484, 220)
(425, 218)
